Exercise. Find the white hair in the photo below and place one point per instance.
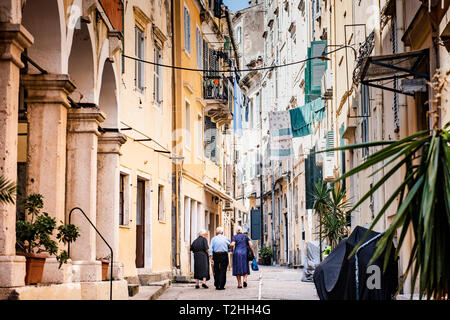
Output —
(238, 229)
(219, 230)
(202, 232)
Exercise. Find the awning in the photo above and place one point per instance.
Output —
(376, 71)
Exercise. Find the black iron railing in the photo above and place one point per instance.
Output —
(98, 232)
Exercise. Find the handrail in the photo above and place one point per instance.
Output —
(112, 259)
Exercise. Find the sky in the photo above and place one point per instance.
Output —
(236, 5)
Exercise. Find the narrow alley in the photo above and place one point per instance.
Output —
(269, 283)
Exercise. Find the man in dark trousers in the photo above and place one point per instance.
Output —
(218, 254)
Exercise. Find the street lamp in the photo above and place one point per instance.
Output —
(340, 46)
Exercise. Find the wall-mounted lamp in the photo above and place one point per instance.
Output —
(340, 46)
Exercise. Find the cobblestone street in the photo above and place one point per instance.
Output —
(269, 283)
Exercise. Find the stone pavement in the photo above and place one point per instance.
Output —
(269, 283)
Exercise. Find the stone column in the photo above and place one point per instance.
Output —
(81, 188)
(46, 160)
(14, 38)
(108, 178)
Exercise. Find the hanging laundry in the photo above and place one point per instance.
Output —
(237, 112)
(280, 125)
(301, 119)
(280, 135)
(318, 107)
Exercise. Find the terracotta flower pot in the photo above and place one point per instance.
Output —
(105, 267)
(34, 267)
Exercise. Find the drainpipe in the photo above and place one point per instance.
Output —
(175, 168)
(380, 107)
(402, 103)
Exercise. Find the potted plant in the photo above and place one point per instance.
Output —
(105, 265)
(34, 238)
(266, 255)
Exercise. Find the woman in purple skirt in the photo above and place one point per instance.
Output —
(240, 262)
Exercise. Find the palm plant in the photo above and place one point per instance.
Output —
(331, 206)
(7, 191)
(423, 200)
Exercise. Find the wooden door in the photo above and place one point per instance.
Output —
(140, 224)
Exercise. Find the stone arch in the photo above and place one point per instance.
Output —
(108, 96)
(81, 65)
(45, 20)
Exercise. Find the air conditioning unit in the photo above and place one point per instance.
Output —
(328, 169)
(327, 84)
(321, 145)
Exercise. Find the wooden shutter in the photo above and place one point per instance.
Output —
(205, 56)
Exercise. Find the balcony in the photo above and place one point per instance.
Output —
(215, 94)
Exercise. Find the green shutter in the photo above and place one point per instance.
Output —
(318, 66)
(308, 78)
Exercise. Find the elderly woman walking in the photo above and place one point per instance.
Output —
(240, 262)
(200, 249)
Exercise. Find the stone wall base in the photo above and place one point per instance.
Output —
(98, 290)
(54, 274)
(12, 272)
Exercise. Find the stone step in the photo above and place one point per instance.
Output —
(152, 290)
(133, 289)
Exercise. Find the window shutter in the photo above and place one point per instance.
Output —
(217, 8)
(189, 32)
(330, 143)
(308, 78)
(160, 77)
(136, 51)
(205, 56)
(318, 67)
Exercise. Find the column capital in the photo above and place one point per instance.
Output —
(14, 38)
(84, 120)
(48, 88)
(110, 142)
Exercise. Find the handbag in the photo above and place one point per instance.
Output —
(255, 265)
(250, 255)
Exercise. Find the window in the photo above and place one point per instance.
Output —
(365, 105)
(157, 80)
(187, 30)
(140, 54)
(188, 125)
(199, 136)
(238, 35)
(199, 48)
(161, 207)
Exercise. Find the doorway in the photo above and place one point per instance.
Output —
(286, 239)
(140, 224)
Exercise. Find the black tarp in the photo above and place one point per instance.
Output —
(335, 277)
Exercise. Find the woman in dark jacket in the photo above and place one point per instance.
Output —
(240, 262)
(200, 249)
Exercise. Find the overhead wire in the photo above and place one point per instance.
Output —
(225, 71)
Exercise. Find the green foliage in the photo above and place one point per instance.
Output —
(266, 252)
(423, 205)
(35, 235)
(331, 206)
(8, 191)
